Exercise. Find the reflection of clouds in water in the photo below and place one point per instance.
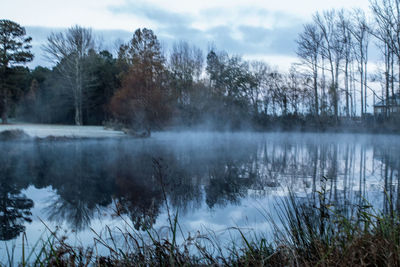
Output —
(221, 221)
(247, 213)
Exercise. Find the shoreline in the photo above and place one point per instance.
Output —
(55, 132)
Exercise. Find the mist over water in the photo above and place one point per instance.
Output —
(213, 180)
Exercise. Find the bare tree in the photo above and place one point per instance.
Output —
(387, 31)
(309, 48)
(259, 71)
(68, 51)
(332, 50)
(344, 28)
(186, 65)
(360, 31)
(278, 88)
(295, 89)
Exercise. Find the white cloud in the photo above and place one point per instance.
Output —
(98, 14)
(282, 62)
(252, 28)
(52, 13)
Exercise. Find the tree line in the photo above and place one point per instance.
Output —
(143, 86)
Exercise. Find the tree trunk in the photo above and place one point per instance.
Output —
(323, 101)
(361, 89)
(332, 88)
(4, 112)
(78, 116)
(387, 67)
(353, 92)
(78, 93)
(78, 112)
(4, 118)
(77, 122)
(398, 88)
(346, 81)
(316, 90)
(392, 72)
(335, 93)
(365, 83)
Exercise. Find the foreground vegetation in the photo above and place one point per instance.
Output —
(309, 231)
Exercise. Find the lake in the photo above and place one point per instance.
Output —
(214, 181)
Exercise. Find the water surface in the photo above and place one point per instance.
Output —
(213, 180)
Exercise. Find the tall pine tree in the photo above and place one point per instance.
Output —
(14, 51)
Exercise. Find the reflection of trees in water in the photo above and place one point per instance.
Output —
(228, 183)
(181, 185)
(138, 193)
(88, 176)
(389, 171)
(14, 206)
(14, 211)
(141, 185)
(81, 181)
(140, 201)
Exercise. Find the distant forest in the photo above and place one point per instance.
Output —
(144, 86)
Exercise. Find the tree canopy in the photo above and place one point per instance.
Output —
(14, 51)
(141, 101)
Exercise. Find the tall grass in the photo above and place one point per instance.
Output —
(320, 233)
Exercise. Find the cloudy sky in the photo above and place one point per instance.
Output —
(255, 29)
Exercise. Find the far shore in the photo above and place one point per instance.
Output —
(59, 131)
(47, 130)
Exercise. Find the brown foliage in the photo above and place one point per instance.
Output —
(142, 100)
(139, 103)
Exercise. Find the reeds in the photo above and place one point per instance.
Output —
(320, 233)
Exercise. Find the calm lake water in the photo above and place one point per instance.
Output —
(213, 180)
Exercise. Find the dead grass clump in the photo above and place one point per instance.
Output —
(10, 135)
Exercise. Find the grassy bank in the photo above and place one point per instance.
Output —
(308, 231)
